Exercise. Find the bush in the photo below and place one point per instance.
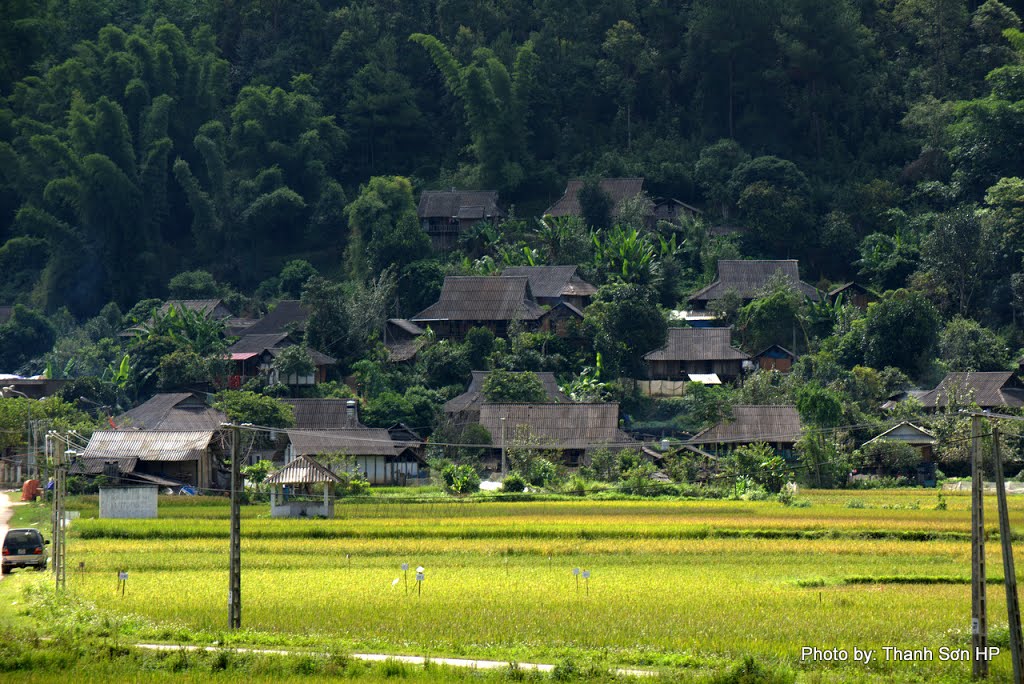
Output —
(460, 479)
(514, 482)
(576, 484)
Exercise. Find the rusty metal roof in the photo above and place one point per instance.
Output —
(149, 445)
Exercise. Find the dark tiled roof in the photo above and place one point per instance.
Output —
(473, 397)
(697, 344)
(854, 286)
(777, 347)
(406, 326)
(482, 298)
(553, 281)
(618, 189)
(986, 389)
(288, 315)
(256, 344)
(149, 445)
(317, 358)
(555, 426)
(464, 204)
(749, 277)
(303, 470)
(172, 411)
(754, 424)
(351, 441)
(322, 414)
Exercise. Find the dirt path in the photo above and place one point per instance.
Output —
(410, 660)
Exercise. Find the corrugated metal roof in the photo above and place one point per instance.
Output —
(482, 298)
(618, 189)
(780, 423)
(149, 445)
(350, 441)
(84, 465)
(473, 397)
(468, 204)
(749, 278)
(303, 470)
(554, 426)
(697, 344)
(552, 281)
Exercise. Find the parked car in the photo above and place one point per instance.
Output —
(24, 548)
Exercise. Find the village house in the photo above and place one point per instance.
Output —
(465, 408)
(253, 357)
(572, 430)
(673, 211)
(171, 411)
(287, 316)
(402, 339)
(618, 190)
(700, 352)
(919, 438)
(778, 426)
(331, 427)
(446, 214)
(169, 458)
(481, 301)
(988, 390)
(852, 293)
(552, 285)
(748, 279)
(774, 358)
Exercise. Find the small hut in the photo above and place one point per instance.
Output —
(299, 476)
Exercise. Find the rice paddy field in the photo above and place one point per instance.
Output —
(680, 587)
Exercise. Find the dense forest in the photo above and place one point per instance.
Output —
(258, 150)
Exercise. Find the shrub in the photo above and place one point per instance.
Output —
(460, 479)
(576, 484)
(514, 482)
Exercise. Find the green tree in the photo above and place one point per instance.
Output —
(627, 58)
(958, 255)
(901, 331)
(508, 386)
(294, 276)
(383, 218)
(250, 407)
(625, 323)
(967, 346)
(26, 335)
(714, 169)
(193, 285)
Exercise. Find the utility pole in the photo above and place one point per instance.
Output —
(504, 468)
(979, 623)
(235, 571)
(59, 491)
(1009, 573)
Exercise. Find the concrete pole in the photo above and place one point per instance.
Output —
(979, 621)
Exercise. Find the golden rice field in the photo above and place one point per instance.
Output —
(675, 585)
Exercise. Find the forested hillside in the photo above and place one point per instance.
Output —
(259, 150)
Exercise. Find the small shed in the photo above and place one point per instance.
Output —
(290, 488)
(775, 358)
(920, 439)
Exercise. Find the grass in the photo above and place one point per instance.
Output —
(691, 588)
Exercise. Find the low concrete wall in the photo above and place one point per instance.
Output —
(128, 502)
(302, 509)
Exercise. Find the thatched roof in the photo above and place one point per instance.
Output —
(986, 389)
(350, 441)
(323, 414)
(618, 189)
(303, 470)
(555, 426)
(754, 424)
(749, 278)
(473, 397)
(553, 281)
(697, 344)
(482, 298)
(172, 411)
(289, 315)
(461, 204)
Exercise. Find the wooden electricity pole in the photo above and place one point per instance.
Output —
(979, 624)
(1009, 573)
(235, 571)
